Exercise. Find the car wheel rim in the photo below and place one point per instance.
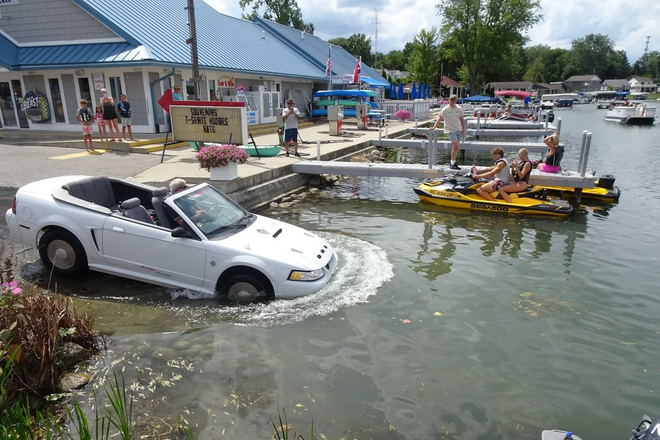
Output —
(61, 254)
(242, 290)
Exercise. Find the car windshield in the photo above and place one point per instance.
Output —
(211, 211)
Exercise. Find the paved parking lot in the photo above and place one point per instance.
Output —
(24, 164)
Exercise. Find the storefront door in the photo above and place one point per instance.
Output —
(18, 103)
(7, 106)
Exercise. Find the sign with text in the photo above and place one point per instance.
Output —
(226, 81)
(208, 124)
(35, 105)
(342, 79)
(98, 80)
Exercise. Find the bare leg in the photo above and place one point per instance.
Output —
(485, 190)
(91, 146)
(295, 146)
(123, 131)
(85, 142)
(130, 132)
(114, 122)
(512, 188)
(112, 133)
(454, 150)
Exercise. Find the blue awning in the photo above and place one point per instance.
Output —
(374, 83)
(622, 93)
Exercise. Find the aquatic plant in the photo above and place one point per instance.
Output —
(219, 155)
(283, 431)
(404, 115)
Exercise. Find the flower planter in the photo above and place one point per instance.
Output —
(228, 172)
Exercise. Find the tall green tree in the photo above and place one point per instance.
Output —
(648, 65)
(484, 31)
(358, 45)
(394, 60)
(544, 64)
(594, 55)
(423, 63)
(286, 12)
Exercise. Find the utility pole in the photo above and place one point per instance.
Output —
(193, 47)
(375, 37)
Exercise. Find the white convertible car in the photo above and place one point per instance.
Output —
(196, 239)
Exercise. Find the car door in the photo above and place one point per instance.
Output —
(150, 252)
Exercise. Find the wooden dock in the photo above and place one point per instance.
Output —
(493, 132)
(532, 147)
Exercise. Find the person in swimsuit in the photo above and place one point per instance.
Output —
(500, 171)
(555, 152)
(521, 171)
(109, 113)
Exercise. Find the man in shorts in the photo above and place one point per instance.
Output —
(85, 116)
(454, 126)
(124, 109)
(290, 115)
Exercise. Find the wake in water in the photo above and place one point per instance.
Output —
(363, 268)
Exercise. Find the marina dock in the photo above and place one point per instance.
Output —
(496, 131)
(532, 147)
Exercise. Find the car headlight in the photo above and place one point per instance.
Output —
(306, 275)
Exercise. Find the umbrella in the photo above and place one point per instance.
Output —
(423, 91)
(400, 94)
(428, 90)
(392, 91)
(413, 92)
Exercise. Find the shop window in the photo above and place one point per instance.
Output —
(190, 91)
(56, 95)
(85, 90)
(115, 87)
(212, 95)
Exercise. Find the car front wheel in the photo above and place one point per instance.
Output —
(244, 288)
(61, 252)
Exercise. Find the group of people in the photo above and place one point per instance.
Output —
(105, 115)
(514, 177)
(507, 178)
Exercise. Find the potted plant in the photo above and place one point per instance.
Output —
(404, 115)
(221, 160)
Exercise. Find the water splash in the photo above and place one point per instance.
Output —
(363, 268)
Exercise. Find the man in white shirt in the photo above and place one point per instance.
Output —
(454, 126)
(290, 115)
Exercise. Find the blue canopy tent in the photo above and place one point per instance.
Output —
(413, 92)
(400, 94)
(477, 98)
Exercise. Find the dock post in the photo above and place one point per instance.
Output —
(547, 120)
(380, 133)
(318, 149)
(415, 124)
(577, 197)
(559, 126)
(585, 156)
(584, 141)
(478, 119)
(430, 152)
(386, 132)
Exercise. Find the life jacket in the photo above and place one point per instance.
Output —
(521, 165)
(505, 174)
(554, 160)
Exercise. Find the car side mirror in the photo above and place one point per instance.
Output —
(179, 232)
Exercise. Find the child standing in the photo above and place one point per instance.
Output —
(101, 123)
(85, 116)
(124, 108)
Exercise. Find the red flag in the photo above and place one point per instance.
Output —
(357, 71)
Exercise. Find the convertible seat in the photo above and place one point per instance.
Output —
(132, 209)
(157, 202)
(96, 190)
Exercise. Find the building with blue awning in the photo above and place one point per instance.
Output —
(68, 50)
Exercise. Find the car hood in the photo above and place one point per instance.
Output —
(284, 243)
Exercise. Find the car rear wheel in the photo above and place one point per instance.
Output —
(61, 252)
(244, 288)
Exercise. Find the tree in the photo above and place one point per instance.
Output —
(423, 61)
(536, 71)
(358, 45)
(484, 31)
(595, 54)
(286, 12)
(544, 63)
(648, 65)
(394, 60)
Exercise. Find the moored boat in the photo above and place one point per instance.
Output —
(631, 115)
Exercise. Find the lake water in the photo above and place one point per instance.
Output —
(438, 324)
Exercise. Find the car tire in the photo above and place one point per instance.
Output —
(244, 287)
(72, 257)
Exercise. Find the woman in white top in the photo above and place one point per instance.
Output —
(500, 171)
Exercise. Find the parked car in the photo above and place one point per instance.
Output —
(197, 239)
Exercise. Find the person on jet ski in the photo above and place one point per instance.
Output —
(520, 171)
(555, 152)
(500, 171)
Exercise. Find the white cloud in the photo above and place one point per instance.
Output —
(627, 23)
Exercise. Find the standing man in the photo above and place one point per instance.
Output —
(290, 115)
(124, 109)
(454, 126)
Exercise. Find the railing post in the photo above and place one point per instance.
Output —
(547, 120)
(386, 132)
(430, 152)
(318, 149)
(585, 158)
(478, 119)
(584, 141)
(558, 126)
(415, 124)
(380, 132)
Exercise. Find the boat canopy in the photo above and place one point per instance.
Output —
(478, 98)
(346, 93)
(515, 93)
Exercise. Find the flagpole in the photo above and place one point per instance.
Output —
(330, 72)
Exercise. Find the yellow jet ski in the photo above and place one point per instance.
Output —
(461, 192)
(604, 191)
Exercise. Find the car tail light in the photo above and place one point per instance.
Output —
(13, 205)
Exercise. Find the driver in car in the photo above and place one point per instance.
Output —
(187, 206)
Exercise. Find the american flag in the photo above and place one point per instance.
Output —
(328, 64)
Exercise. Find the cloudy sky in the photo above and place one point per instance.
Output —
(627, 23)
